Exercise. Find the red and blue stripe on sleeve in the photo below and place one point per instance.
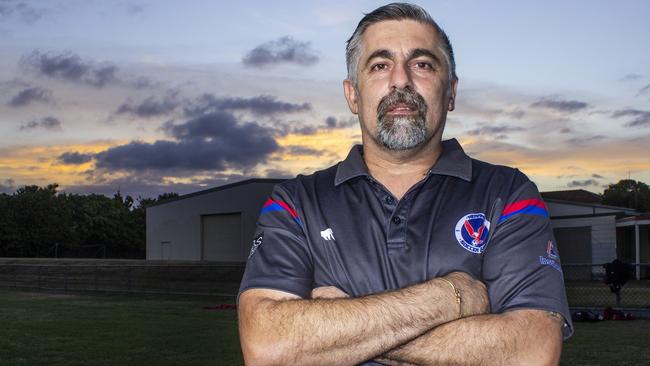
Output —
(534, 206)
(272, 205)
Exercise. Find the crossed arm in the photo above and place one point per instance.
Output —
(414, 325)
(521, 337)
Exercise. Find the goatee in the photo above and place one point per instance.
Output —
(401, 132)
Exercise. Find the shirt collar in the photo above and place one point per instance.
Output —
(453, 162)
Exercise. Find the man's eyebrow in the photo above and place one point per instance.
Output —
(418, 52)
(380, 54)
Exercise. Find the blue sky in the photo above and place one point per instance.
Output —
(158, 96)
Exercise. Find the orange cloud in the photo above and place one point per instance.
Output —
(40, 164)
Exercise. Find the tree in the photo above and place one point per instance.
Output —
(35, 219)
(628, 193)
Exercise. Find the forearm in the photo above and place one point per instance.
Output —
(341, 331)
(522, 337)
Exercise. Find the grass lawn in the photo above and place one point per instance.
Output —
(65, 329)
(62, 329)
(609, 343)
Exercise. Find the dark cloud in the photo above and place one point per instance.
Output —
(566, 130)
(332, 122)
(150, 107)
(568, 106)
(48, 123)
(70, 67)
(14, 83)
(278, 173)
(29, 95)
(302, 130)
(74, 158)
(214, 141)
(262, 105)
(583, 183)
(303, 150)
(141, 82)
(21, 9)
(282, 50)
(150, 185)
(644, 91)
(585, 139)
(640, 118)
(630, 77)
(499, 131)
(597, 176)
(8, 186)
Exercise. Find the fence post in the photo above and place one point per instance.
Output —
(39, 277)
(169, 286)
(128, 272)
(637, 250)
(65, 278)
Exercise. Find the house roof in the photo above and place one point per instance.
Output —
(574, 195)
(220, 188)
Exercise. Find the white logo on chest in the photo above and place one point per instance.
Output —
(327, 234)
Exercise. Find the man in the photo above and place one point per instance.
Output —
(408, 252)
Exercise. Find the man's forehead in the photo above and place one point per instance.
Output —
(400, 35)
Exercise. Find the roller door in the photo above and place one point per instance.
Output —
(222, 238)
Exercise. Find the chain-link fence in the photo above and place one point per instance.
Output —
(586, 287)
(585, 284)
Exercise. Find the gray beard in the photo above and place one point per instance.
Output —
(401, 133)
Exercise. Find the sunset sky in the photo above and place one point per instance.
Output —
(156, 96)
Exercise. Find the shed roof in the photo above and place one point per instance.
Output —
(220, 188)
(574, 195)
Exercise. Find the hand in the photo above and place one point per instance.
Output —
(328, 292)
(473, 293)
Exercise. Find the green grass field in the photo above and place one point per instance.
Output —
(62, 329)
(65, 329)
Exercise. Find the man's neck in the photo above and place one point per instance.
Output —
(398, 171)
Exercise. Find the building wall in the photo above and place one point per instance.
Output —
(179, 222)
(603, 235)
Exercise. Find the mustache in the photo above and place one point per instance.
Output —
(406, 96)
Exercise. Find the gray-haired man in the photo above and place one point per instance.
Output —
(408, 252)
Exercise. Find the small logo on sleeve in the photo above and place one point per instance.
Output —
(551, 258)
(549, 262)
(257, 241)
(472, 232)
(551, 251)
(327, 234)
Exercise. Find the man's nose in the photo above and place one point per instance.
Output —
(400, 77)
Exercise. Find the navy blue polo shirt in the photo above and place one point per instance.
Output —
(340, 227)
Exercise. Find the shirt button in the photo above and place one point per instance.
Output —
(389, 200)
(397, 220)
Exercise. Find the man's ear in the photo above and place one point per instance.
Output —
(452, 97)
(351, 95)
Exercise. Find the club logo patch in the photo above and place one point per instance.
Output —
(472, 232)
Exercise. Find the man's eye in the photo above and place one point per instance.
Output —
(424, 66)
(378, 67)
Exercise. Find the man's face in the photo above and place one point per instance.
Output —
(403, 89)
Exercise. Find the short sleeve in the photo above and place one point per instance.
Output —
(521, 265)
(279, 258)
